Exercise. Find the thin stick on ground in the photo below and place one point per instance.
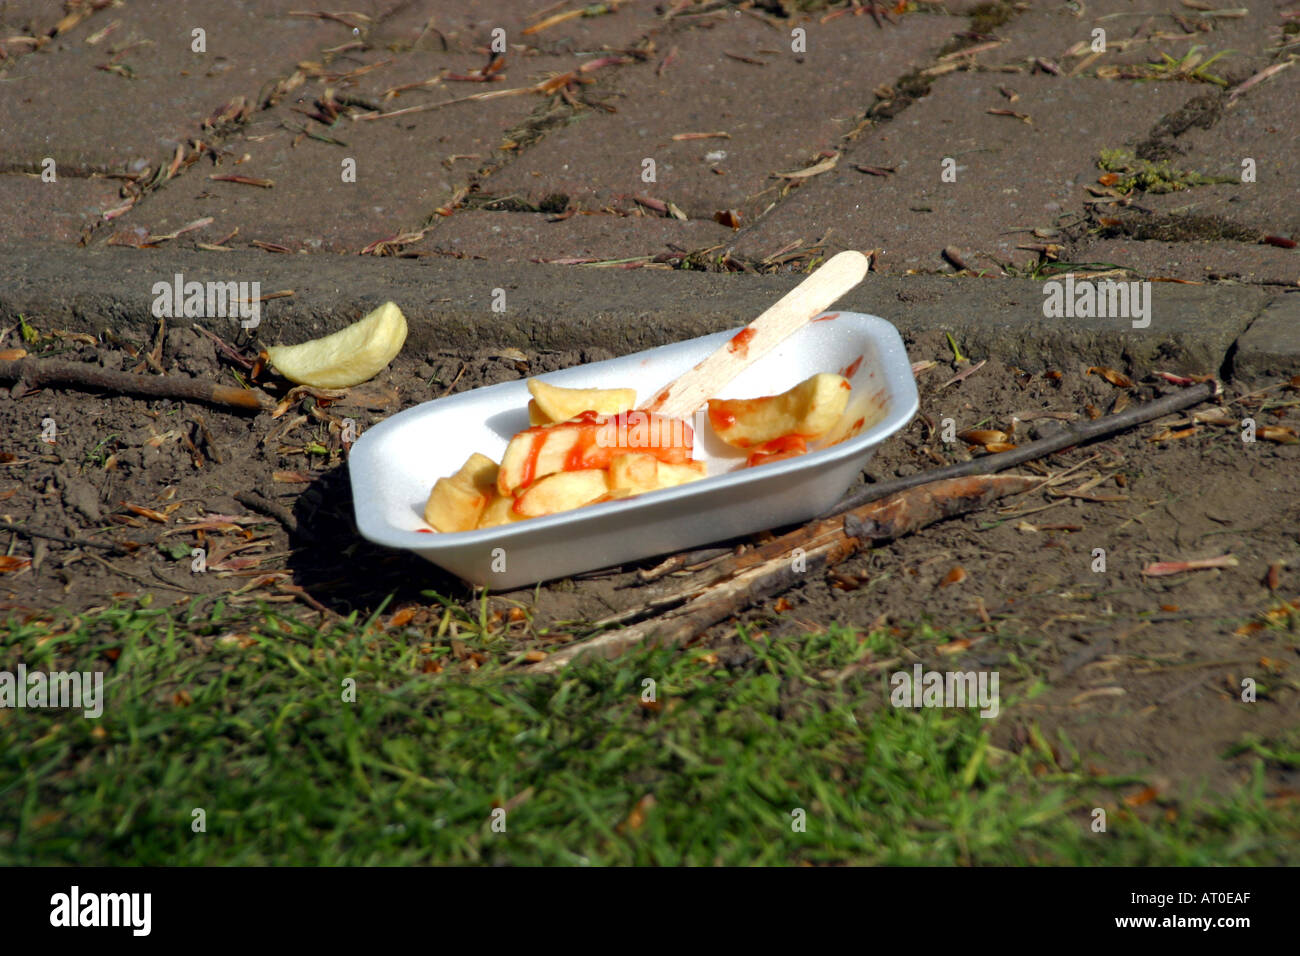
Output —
(879, 513)
(37, 373)
(27, 532)
(1069, 436)
(731, 585)
(251, 499)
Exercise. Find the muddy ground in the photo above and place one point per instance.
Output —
(1144, 674)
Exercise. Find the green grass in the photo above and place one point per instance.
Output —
(241, 713)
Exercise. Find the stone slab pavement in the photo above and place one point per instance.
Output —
(981, 138)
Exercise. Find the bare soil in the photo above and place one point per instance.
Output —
(1142, 674)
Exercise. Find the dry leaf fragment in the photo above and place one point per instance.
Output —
(1282, 611)
(402, 617)
(1161, 568)
(982, 436)
(954, 647)
(965, 373)
(1214, 416)
(144, 512)
(1169, 434)
(1280, 434)
(825, 166)
(244, 180)
(1146, 795)
(636, 819)
(236, 564)
(955, 576)
(9, 563)
(844, 582)
(1173, 379)
(1118, 379)
(1012, 113)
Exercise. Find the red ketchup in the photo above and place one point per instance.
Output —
(787, 446)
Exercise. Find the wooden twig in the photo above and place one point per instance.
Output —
(224, 348)
(731, 585)
(881, 512)
(63, 539)
(35, 373)
(264, 506)
(680, 562)
(1070, 435)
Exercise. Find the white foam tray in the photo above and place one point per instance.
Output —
(394, 464)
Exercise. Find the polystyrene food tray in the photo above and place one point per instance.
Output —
(394, 464)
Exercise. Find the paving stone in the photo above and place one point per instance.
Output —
(27, 17)
(599, 161)
(1234, 208)
(112, 120)
(1011, 176)
(465, 25)
(56, 211)
(523, 237)
(1271, 346)
(406, 167)
(1135, 33)
(1259, 124)
(1197, 261)
(26, 25)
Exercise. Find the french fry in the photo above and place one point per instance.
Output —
(499, 511)
(672, 475)
(592, 455)
(808, 410)
(634, 471)
(562, 491)
(588, 442)
(558, 404)
(348, 357)
(457, 503)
